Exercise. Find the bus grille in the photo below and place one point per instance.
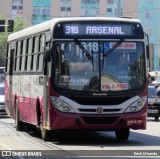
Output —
(99, 120)
(95, 110)
(99, 101)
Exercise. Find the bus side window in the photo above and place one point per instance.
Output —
(29, 56)
(33, 51)
(7, 57)
(16, 57)
(40, 53)
(23, 55)
(20, 58)
(26, 54)
(36, 48)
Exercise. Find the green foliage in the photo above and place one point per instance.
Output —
(19, 24)
(3, 47)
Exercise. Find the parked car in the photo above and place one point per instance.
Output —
(153, 110)
(2, 100)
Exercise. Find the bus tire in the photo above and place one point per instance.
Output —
(18, 124)
(45, 134)
(156, 118)
(122, 134)
(39, 117)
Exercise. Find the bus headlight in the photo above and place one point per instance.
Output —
(61, 105)
(137, 106)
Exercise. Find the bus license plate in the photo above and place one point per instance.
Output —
(152, 111)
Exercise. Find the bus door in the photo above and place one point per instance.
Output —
(10, 78)
(46, 79)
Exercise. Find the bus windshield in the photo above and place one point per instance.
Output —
(99, 66)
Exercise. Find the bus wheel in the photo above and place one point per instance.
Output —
(45, 134)
(19, 125)
(122, 134)
(156, 118)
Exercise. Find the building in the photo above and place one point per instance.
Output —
(148, 11)
(37, 11)
(12, 8)
(130, 8)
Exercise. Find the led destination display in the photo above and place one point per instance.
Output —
(85, 29)
(98, 30)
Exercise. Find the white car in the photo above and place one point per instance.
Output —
(2, 100)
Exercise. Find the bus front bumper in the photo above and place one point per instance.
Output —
(99, 122)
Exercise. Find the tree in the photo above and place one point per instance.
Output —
(19, 24)
(3, 46)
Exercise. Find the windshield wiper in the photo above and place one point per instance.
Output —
(111, 50)
(114, 47)
(83, 49)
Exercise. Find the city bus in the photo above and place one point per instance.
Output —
(67, 74)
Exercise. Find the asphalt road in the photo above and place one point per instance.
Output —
(141, 143)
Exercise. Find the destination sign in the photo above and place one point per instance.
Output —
(97, 29)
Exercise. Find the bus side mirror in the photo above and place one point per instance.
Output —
(47, 58)
(47, 55)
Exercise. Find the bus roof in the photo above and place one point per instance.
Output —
(48, 25)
